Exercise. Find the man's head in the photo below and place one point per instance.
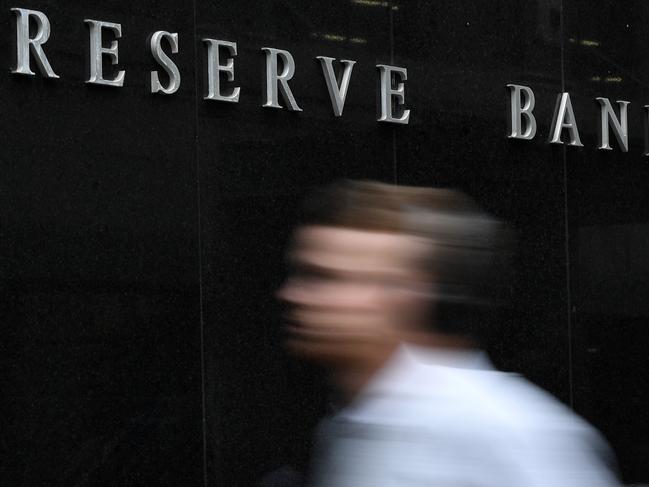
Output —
(374, 264)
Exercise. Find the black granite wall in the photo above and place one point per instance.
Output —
(142, 235)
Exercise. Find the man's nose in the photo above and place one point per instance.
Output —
(286, 292)
(295, 291)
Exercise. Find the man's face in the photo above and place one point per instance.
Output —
(353, 292)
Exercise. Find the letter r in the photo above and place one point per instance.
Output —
(25, 43)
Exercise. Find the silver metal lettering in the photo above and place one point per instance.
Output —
(97, 51)
(391, 95)
(275, 81)
(520, 109)
(620, 127)
(337, 88)
(564, 118)
(215, 68)
(25, 43)
(165, 61)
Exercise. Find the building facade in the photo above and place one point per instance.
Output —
(144, 219)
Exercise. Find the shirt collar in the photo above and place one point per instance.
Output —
(410, 371)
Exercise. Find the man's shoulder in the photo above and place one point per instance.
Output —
(438, 398)
(480, 422)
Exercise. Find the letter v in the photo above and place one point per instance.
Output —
(337, 92)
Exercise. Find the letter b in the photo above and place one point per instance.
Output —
(521, 109)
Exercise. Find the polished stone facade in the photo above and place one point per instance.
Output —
(142, 235)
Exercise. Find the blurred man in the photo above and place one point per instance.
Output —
(390, 292)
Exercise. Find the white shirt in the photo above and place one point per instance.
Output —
(438, 418)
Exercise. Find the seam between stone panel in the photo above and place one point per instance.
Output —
(200, 245)
(566, 222)
(394, 131)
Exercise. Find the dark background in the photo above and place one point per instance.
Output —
(142, 235)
